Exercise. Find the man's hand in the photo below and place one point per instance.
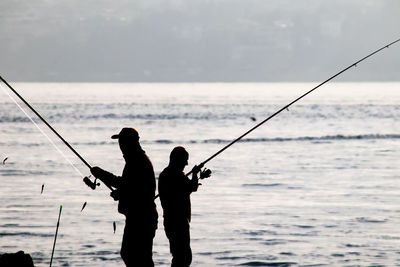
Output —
(96, 171)
(196, 169)
(115, 194)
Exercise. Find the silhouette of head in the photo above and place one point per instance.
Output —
(128, 139)
(179, 158)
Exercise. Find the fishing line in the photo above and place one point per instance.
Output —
(45, 122)
(40, 129)
(86, 180)
(294, 101)
(201, 165)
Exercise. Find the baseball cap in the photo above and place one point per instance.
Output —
(127, 132)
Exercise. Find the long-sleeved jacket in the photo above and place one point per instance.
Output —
(135, 188)
(175, 189)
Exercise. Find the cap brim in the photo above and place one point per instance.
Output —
(115, 136)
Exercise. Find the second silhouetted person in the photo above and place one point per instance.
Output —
(174, 188)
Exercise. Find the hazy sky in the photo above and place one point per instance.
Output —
(197, 40)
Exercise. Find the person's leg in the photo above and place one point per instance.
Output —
(125, 247)
(137, 247)
(179, 240)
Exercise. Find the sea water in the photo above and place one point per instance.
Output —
(317, 185)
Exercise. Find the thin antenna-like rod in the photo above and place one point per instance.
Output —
(40, 129)
(291, 103)
(55, 236)
(45, 122)
(294, 101)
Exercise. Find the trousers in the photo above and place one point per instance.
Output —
(178, 234)
(137, 244)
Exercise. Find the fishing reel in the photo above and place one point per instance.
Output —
(206, 173)
(89, 182)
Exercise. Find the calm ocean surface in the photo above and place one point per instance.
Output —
(318, 185)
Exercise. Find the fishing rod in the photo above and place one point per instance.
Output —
(86, 180)
(206, 173)
(45, 122)
(294, 101)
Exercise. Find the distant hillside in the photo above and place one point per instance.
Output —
(197, 40)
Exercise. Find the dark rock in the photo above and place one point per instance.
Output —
(19, 259)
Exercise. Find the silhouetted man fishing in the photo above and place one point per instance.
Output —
(174, 188)
(135, 190)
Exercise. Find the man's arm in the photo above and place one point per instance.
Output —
(194, 182)
(106, 177)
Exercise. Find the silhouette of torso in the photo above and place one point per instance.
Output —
(175, 189)
(137, 187)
